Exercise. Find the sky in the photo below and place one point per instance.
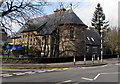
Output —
(84, 9)
(110, 8)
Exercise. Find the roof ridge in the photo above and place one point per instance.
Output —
(50, 14)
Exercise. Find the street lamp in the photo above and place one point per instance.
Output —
(101, 47)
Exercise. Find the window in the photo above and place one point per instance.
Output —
(34, 41)
(72, 33)
(87, 49)
(92, 39)
(43, 40)
(31, 39)
(95, 49)
(88, 38)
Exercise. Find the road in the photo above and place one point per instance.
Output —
(88, 75)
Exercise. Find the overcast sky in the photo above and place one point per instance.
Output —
(86, 9)
(110, 8)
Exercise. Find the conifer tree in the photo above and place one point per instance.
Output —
(98, 20)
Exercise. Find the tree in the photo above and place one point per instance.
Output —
(18, 11)
(98, 20)
(111, 40)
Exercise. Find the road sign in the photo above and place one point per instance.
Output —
(13, 47)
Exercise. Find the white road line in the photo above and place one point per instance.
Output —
(59, 70)
(104, 65)
(88, 67)
(65, 68)
(86, 78)
(49, 70)
(19, 74)
(0, 75)
(67, 81)
(93, 67)
(96, 76)
(111, 73)
(90, 78)
(40, 71)
(117, 64)
(6, 75)
(30, 72)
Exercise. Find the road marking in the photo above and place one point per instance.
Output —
(88, 67)
(111, 73)
(90, 78)
(30, 72)
(6, 75)
(59, 70)
(93, 67)
(117, 64)
(0, 75)
(104, 65)
(67, 81)
(19, 74)
(97, 76)
(40, 71)
(87, 79)
(65, 68)
(49, 70)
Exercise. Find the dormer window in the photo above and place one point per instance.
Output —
(92, 39)
(88, 38)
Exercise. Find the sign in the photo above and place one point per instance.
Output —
(13, 47)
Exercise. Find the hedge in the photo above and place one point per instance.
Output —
(53, 59)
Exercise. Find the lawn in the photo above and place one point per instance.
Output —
(6, 56)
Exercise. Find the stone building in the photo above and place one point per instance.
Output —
(59, 34)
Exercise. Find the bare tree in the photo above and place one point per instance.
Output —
(1, 2)
(111, 40)
(18, 12)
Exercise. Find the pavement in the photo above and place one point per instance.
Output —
(76, 64)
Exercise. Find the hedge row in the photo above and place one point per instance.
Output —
(54, 59)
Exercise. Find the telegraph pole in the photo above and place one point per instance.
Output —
(101, 47)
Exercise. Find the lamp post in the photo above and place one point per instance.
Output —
(101, 47)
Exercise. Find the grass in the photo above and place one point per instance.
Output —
(6, 56)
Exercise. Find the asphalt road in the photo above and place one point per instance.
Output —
(108, 74)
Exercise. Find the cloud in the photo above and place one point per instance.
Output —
(110, 8)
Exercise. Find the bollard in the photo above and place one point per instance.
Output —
(84, 59)
(74, 60)
(118, 56)
(93, 58)
(98, 58)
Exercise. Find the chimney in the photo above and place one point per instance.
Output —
(60, 10)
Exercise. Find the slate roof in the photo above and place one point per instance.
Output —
(16, 35)
(47, 24)
(92, 38)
